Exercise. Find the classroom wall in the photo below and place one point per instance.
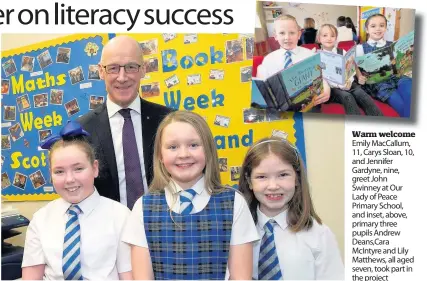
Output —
(324, 144)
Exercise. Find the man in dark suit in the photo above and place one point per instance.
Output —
(122, 68)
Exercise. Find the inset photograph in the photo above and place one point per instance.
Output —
(194, 79)
(172, 81)
(152, 65)
(337, 62)
(235, 173)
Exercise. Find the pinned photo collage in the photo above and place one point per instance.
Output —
(76, 75)
(190, 38)
(168, 36)
(9, 113)
(222, 121)
(56, 96)
(40, 100)
(256, 115)
(95, 101)
(5, 85)
(5, 142)
(150, 90)
(9, 67)
(93, 72)
(72, 107)
(194, 79)
(23, 102)
(37, 179)
(43, 134)
(16, 132)
(172, 81)
(223, 167)
(19, 181)
(5, 180)
(27, 64)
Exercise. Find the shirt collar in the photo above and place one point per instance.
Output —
(294, 51)
(198, 187)
(380, 42)
(281, 219)
(113, 108)
(87, 205)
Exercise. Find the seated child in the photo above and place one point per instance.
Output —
(396, 91)
(77, 236)
(287, 34)
(350, 95)
(295, 244)
(189, 226)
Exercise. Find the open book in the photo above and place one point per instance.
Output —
(395, 59)
(338, 68)
(291, 89)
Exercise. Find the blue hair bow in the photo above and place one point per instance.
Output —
(72, 129)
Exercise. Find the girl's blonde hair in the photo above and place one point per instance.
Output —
(162, 177)
(301, 210)
(331, 28)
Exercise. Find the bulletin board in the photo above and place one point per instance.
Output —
(209, 74)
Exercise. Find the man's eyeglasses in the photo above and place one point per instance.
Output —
(115, 68)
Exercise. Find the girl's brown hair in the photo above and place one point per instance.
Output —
(301, 210)
(162, 177)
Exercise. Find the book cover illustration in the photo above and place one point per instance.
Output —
(291, 89)
(338, 68)
(395, 59)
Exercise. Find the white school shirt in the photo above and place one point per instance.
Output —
(102, 254)
(306, 255)
(243, 229)
(335, 85)
(359, 48)
(275, 61)
(116, 126)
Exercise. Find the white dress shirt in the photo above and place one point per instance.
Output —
(243, 229)
(306, 255)
(359, 48)
(116, 125)
(275, 61)
(103, 255)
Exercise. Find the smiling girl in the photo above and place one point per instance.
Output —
(295, 244)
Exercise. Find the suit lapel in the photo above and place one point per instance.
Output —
(105, 140)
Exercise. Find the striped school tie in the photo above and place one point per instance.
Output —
(268, 265)
(288, 59)
(186, 196)
(71, 266)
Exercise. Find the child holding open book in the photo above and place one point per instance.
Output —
(396, 91)
(287, 34)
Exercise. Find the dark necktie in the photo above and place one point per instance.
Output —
(133, 175)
